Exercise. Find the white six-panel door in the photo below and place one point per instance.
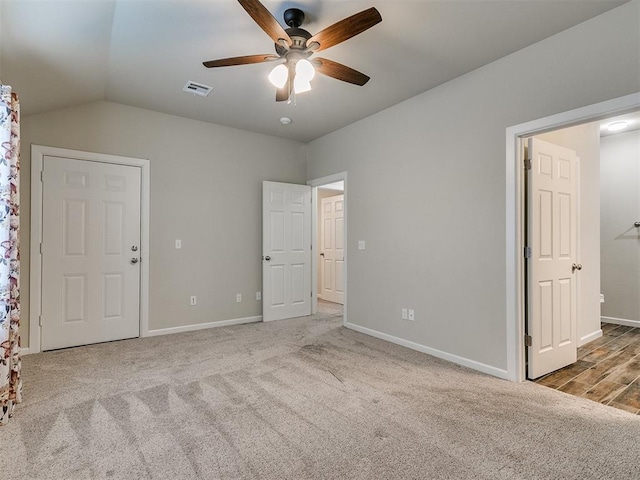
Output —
(332, 248)
(90, 252)
(286, 238)
(552, 237)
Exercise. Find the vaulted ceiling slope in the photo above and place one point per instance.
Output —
(58, 53)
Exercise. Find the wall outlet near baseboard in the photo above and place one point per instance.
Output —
(193, 300)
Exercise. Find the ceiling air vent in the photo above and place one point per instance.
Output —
(197, 89)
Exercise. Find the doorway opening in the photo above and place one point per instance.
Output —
(329, 253)
(606, 349)
(606, 363)
(516, 293)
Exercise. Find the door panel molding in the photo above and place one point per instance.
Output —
(38, 152)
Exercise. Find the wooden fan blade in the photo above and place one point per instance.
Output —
(246, 60)
(339, 71)
(265, 20)
(346, 28)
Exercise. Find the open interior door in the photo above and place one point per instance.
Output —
(552, 265)
(332, 248)
(286, 250)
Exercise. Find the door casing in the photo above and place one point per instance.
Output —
(515, 215)
(38, 153)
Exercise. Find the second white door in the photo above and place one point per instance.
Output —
(90, 252)
(553, 264)
(332, 249)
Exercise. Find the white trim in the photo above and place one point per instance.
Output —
(35, 289)
(24, 351)
(621, 321)
(590, 338)
(481, 367)
(203, 326)
(315, 183)
(514, 205)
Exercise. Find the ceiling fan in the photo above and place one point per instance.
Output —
(295, 45)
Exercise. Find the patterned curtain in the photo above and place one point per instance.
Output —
(10, 383)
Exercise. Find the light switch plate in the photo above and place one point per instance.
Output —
(362, 244)
(178, 244)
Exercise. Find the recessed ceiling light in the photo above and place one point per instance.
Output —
(617, 126)
(285, 120)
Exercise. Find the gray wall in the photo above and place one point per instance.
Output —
(585, 141)
(620, 184)
(436, 238)
(206, 189)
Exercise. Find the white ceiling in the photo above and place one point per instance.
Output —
(58, 53)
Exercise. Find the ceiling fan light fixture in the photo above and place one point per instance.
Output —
(279, 76)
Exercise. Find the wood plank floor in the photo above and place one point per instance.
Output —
(607, 370)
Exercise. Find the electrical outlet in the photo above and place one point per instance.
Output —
(412, 314)
(362, 244)
(178, 244)
(194, 300)
(258, 295)
(238, 297)
(404, 313)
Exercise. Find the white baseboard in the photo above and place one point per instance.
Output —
(496, 372)
(24, 351)
(589, 338)
(202, 326)
(621, 321)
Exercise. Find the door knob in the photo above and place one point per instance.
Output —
(576, 266)
(134, 248)
(322, 254)
(267, 258)
(134, 260)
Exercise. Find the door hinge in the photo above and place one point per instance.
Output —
(40, 320)
(42, 175)
(528, 341)
(527, 252)
(40, 248)
(527, 164)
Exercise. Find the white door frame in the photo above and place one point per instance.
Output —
(515, 214)
(315, 183)
(38, 153)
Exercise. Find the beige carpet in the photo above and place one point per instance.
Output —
(298, 399)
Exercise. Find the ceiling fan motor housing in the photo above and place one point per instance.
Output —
(294, 17)
(299, 37)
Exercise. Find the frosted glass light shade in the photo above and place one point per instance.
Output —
(279, 75)
(305, 70)
(300, 85)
